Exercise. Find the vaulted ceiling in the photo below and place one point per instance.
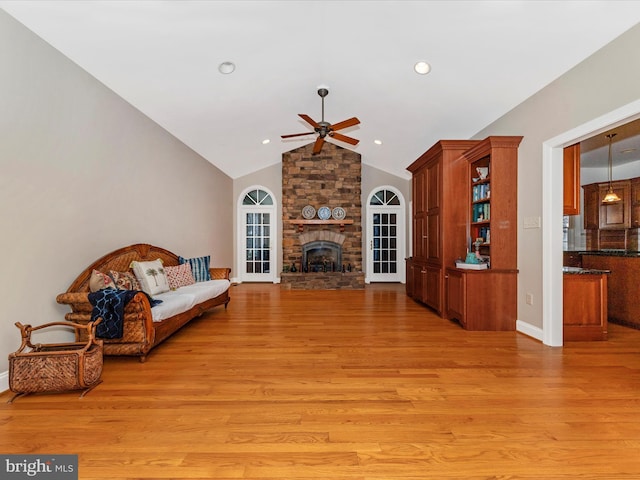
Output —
(163, 57)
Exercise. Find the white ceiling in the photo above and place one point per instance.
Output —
(163, 57)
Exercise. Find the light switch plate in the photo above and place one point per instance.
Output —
(531, 222)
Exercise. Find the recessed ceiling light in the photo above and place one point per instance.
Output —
(226, 67)
(422, 68)
(378, 142)
(265, 141)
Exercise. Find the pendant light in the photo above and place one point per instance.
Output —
(611, 196)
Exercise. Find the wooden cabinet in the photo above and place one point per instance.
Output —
(493, 201)
(622, 286)
(452, 204)
(571, 180)
(439, 179)
(571, 259)
(635, 202)
(616, 216)
(607, 216)
(591, 206)
(584, 310)
(482, 300)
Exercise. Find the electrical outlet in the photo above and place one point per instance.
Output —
(529, 298)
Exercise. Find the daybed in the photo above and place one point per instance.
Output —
(145, 327)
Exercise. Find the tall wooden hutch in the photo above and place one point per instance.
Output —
(438, 217)
(471, 206)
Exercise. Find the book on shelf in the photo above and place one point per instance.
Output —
(472, 266)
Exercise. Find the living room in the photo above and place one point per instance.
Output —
(84, 173)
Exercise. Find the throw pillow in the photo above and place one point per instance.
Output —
(151, 276)
(199, 267)
(100, 280)
(124, 280)
(179, 276)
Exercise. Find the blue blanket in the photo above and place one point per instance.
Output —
(109, 304)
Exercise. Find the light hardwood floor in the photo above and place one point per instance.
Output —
(357, 385)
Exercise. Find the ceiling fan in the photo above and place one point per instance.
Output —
(323, 128)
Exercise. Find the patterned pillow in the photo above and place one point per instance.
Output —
(179, 276)
(199, 267)
(100, 280)
(124, 280)
(151, 276)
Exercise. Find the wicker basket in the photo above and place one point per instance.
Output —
(54, 367)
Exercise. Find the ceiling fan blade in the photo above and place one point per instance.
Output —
(347, 123)
(296, 135)
(344, 138)
(318, 145)
(309, 120)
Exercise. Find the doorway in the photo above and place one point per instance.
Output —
(386, 238)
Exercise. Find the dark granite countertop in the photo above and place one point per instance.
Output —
(610, 253)
(583, 271)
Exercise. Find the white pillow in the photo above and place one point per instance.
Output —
(151, 276)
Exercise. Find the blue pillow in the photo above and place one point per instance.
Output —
(199, 267)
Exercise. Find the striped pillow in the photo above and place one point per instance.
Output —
(199, 267)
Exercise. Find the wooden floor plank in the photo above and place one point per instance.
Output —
(345, 385)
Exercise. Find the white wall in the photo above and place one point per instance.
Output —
(83, 173)
(573, 107)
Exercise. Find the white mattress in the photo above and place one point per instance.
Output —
(184, 298)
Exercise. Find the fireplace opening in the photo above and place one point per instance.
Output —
(321, 256)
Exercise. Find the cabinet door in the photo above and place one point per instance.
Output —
(419, 192)
(591, 207)
(410, 285)
(432, 237)
(571, 180)
(635, 203)
(432, 287)
(432, 240)
(455, 296)
(419, 237)
(615, 216)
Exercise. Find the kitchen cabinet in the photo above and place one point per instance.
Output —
(571, 180)
(607, 216)
(584, 311)
(622, 284)
(635, 202)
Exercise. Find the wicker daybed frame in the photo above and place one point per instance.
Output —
(141, 333)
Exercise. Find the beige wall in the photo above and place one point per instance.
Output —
(83, 173)
(271, 178)
(577, 102)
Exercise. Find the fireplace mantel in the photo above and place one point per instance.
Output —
(315, 221)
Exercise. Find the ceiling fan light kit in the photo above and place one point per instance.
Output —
(324, 129)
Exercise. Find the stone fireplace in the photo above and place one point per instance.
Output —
(314, 251)
(321, 251)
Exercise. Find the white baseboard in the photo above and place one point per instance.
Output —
(4, 381)
(529, 330)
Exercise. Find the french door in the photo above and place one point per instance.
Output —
(257, 227)
(385, 237)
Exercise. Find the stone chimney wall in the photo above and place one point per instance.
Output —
(331, 178)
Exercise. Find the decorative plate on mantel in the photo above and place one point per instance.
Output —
(324, 213)
(338, 213)
(308, 212)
